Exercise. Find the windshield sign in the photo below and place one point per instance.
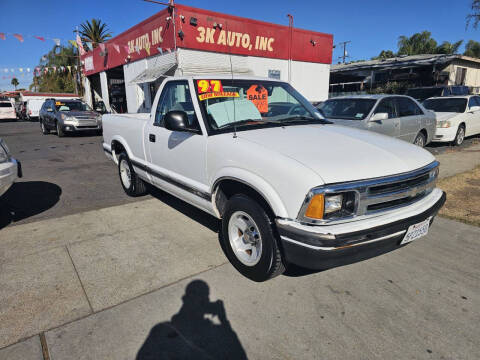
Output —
(347, 109)
(71, 106)
(446, 105)
(246, 103)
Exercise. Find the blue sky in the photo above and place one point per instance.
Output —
(371, 25)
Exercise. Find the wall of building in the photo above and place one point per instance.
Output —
(472, 77)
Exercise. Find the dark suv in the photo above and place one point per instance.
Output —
(68, 116)
(422, 93)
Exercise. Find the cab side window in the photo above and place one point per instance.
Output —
(474, 101)
(387, 106)
(175, 97)
(407, 107)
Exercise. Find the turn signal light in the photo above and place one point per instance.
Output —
(316, 208)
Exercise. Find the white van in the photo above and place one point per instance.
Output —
(7, 110)
(33, 108)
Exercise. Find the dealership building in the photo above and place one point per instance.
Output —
(126, 71)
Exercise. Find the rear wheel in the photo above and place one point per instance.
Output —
(420, 140)
(131, 183)
(460, 136)
(249, 239)
(44, 129)
(60, 132)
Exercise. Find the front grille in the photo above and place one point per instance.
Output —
(395, 191)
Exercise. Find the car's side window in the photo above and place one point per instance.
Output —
(474, 101)
(386, 106)
(175, 96)
(407, 107)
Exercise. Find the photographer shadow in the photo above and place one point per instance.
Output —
(200, 330)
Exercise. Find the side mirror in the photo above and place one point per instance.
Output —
(474, 109)
(379, 117)
(178, 121)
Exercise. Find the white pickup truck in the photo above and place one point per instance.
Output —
(288, 186)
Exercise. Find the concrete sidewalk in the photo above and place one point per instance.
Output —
(106, 284)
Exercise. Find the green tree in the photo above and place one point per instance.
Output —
(472, 49)
(61, 79)
(15, 82)
(449, 48)
(384, 54)
(419, 43)
(94, 32)
(475, 15)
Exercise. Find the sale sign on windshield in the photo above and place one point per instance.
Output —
(258, 95)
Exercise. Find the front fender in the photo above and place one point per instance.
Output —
(254, 181)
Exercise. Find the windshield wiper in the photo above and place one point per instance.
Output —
(248, 121)
(302, 118)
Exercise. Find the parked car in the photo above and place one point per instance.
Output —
(33, 108)
(21, 110)
(68, 116)
(394, 115)
(288, 186)
(457, 117)
(10, 169)
(423, 93)
(7, 110)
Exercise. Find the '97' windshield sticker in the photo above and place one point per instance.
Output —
(208, 86)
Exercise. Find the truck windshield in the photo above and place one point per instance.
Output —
(72, 106)
(348, 109)
(457, 105)
(244, 103)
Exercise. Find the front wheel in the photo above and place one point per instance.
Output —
(60, 132)
(249, 239)
(460, 136)
(420, 140)
(131, 183)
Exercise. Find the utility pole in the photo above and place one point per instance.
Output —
(345, 55)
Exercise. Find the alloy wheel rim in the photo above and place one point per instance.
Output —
(461, 136)
(125, 174)
(245, 238)
(419, 141)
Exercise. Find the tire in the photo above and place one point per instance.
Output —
(44, 129)
(60, 132)
(420, 140)
(131, 183)
(460, 136)
(261, 259)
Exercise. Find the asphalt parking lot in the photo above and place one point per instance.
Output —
(89, 273)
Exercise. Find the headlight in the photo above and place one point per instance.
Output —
(99, 118)
(67, 118)
(444, 124)
(3, 152)
(327, 206)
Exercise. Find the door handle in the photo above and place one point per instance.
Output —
(151, 137)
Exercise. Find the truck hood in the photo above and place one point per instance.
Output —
(441, 116)
(339, 153)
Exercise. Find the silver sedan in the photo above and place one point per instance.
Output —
(394, 115)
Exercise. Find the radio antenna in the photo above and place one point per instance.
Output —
(231, 73)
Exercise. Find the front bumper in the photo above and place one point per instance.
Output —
(9, 172)
(321, 247)
(75, 127)
(445, 134)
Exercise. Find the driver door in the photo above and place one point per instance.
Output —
(177, 159)
(390, 126)
(473, 117)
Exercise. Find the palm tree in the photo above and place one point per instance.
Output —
(15, 82)
(95, 32)
(472, 49)
(419, 43)
(449, 48)
(475, 15)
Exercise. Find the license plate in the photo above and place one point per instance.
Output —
(416, 231)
